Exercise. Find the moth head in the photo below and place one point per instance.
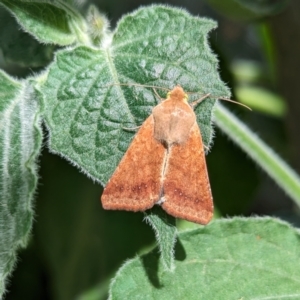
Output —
(178, 94)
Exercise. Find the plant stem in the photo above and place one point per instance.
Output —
(261, 153)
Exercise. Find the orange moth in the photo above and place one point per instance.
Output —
(165, 165)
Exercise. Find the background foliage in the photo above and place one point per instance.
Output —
(76, 247)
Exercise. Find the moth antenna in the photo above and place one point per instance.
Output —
(193, 104)
(236, 102)
(141, 85)
(132, 128)
(156, 94)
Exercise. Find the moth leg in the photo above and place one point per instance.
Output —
(157, 95)
(132, 129)
(196, 102)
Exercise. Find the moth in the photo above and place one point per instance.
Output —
(165, 164)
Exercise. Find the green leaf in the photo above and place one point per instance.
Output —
(254, 258)
(19, 47)
(20, 142)
(87, 116)
(87, 111)
(48, 22)
(165, 230)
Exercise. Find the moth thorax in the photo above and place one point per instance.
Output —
(173, 130)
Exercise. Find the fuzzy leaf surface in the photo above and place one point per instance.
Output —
(88, 114)
(165, 230)
(253, 258)
(20, 141)
(47, 21)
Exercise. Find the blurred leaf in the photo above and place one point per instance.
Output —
(264, 7)
(20, 142)
(45, 21)
(248, 9)
(262, 100)
(246, 71)
(250, 258)
(268, 47)
(19, 47)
